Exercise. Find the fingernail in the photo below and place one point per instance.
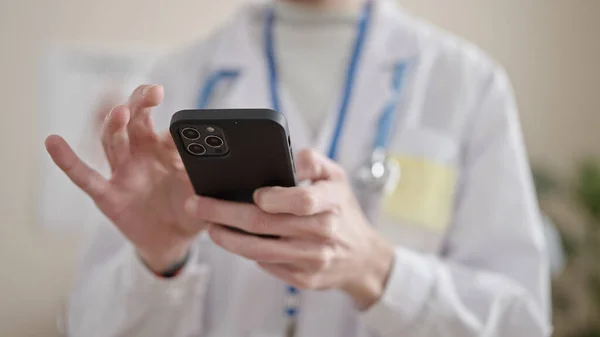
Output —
(262, 198)
(255, 195)
(110, 113)
(147, 88)
(259, 196)
(190, 206)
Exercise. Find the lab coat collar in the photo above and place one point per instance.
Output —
(387, 14)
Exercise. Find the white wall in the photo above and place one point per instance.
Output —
(550, 48)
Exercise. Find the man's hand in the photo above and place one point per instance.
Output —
(325, 241)
(145, 195)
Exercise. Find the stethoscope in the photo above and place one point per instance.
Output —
(379, 170)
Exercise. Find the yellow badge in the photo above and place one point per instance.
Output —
(422, 194)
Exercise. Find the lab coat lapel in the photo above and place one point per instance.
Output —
(240, 50)
(237, 50)
(384, 49)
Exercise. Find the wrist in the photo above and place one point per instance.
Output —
(368, 286)
(166, 264)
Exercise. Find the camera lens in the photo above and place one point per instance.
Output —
(190, 133)
(196, 149)
(214, 141)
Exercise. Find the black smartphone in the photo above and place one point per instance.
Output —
(229, 153)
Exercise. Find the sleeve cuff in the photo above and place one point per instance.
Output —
(193, 277)
(405, 295)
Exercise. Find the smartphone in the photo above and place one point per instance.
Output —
(229, 153)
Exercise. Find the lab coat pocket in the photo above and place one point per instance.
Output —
(416, 211)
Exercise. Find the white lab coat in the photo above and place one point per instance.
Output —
(483, 272)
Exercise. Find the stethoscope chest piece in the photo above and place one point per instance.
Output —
(379, 174)
(375, 179)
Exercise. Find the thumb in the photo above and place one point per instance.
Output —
(312, 165)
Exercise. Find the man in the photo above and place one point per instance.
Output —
(453, 248)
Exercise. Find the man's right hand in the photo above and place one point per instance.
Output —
(147, 190)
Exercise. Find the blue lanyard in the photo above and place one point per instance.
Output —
(386, 120)
(362, 28)
(292, 294)
(385, 123)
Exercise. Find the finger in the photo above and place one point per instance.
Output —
(242, 216)
(178, 190)
(90, 181)
(256, 248)
(145, 97)
(107, 103)
(114, 136)
(249, 218)
(311, 165)
(140, 127)
(167, 141)
(322, 196)
(167, 151)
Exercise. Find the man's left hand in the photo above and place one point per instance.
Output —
(324, 240)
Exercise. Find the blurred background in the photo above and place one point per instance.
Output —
(551, 49)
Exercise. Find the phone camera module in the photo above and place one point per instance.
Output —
(214, 141)
(190, 133)
(196, 149)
